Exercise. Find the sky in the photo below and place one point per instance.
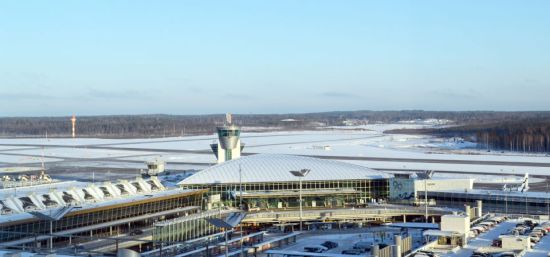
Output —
(274, 56)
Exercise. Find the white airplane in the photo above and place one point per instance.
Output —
(524, 187)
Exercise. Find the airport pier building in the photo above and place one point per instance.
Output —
(74, 212)
(495, 201)
(264, 181)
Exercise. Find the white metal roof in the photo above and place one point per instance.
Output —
(276, 167)
(52, 197)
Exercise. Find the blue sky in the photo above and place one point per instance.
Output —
(194, 57)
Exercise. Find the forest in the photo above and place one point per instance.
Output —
(515, 131)
(525, 135)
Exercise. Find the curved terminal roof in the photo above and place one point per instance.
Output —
(276, 167)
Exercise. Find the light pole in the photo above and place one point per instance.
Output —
(426, 198)
(547, 205)
(230, 222)
(506, 201)
(241, 207)
(429, 174)
(300, 174)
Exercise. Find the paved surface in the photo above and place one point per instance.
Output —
(85, 164)
(347, 238)
(541, 249)
(113, 147)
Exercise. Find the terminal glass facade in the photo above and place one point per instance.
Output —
(273, 195)
(77, 219)
(188, 227)
(511, 203)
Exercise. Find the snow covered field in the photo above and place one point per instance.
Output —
(369, 141)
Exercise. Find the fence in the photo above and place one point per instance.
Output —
(406, 245)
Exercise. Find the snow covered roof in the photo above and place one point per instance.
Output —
(276, 167)
(11, 210)
(45, 196)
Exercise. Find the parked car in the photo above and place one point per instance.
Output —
(534, 239)
(488, 223)
(485, 225)
(505, 254)
(136, 232)
(498, 219)
(315, 249)
(478, 254)
(541, 230)
(530, 223)
(521, 230)
(330, 244)
(536, 233)
(365, 245)
(428, 253)
(479, 229)
(353, 252)
(421, 255)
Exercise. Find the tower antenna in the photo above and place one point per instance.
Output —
(228, 118)
(73, 122)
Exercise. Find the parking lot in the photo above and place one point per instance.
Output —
(484, 244)
(483, 240)
(347, 241)
(541, 249)
(488, 243)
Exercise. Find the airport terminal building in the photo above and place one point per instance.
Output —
(504, 202)
(73, 212)
(264, 181)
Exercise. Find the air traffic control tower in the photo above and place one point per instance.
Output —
(229, 145)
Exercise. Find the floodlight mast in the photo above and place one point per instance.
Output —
(429, 175)
(229, 222)
(300, 174)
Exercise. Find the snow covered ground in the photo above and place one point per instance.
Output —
(333, 142)
(81, 153)
(24, 159)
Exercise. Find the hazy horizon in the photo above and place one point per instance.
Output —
(60, 58)
(258, 113)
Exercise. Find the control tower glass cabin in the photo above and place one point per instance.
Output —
(229, 145)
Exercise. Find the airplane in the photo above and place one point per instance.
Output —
(524, 187)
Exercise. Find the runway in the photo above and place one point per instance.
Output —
(122, 163)
(333, 157)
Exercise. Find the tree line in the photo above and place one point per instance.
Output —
(516, 131)
(517, 135)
